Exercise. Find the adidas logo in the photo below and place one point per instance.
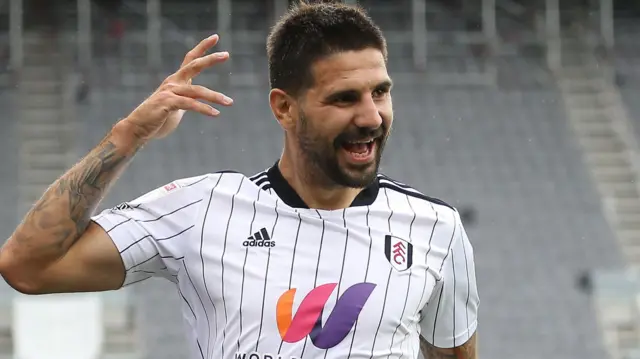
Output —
(259, 239)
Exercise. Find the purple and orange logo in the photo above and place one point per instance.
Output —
(308, 318)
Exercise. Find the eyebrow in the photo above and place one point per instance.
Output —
(386, 85)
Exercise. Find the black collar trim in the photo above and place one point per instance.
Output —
(289, 196)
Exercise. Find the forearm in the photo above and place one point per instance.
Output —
(464, 351)
(62, 214)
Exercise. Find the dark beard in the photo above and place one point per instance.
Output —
(322, 155)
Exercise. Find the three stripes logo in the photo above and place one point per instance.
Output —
(259, 239)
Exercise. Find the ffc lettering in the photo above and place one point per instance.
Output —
(308, 318)
(398, 253)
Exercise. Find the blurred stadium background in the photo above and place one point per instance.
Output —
(524, 114)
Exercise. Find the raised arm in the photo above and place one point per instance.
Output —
(57, 248)
(52, 250)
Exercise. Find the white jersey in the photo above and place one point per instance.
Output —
(262, 276)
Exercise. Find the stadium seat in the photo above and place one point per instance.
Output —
(57, 327)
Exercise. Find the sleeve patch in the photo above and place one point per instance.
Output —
(171, 186)
(158, 193)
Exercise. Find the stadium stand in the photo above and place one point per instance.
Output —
(505, 150)
(8, 200)
(8, 146)
(627, 60)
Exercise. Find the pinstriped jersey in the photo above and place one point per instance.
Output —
(262, 276)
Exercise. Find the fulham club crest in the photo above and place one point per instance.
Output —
(399, 252)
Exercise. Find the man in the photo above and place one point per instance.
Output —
(317, 257)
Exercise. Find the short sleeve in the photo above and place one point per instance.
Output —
(450, 317)
(150, 232)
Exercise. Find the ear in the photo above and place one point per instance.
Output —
(283, 107)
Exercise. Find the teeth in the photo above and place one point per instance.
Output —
(361, 141)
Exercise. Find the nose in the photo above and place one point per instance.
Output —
(368, 114)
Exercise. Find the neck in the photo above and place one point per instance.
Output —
(314, 192)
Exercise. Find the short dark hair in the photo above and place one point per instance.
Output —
(310, 31)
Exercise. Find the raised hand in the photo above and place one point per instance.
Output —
(162, 112)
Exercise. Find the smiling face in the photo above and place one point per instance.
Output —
(330, 93)
(344, 119)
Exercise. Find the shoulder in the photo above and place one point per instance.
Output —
(424, 206)
(191, 187)
(404, 189)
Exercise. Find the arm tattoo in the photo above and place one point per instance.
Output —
(63, 213)
(464, 351)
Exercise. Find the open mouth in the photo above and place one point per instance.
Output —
(361, 150)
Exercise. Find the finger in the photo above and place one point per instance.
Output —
(202, 93)
(200, 49)
(189, 104)
(196, 66)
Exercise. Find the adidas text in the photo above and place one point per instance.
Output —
(256, 243)
(259, 239)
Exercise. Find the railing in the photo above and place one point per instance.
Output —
(418, 28)
(15, 34)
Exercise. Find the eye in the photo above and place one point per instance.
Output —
(380, 92)
(343, 98)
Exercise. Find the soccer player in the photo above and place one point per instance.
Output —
(318, 256)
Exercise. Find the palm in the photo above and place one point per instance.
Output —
(171, 123)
